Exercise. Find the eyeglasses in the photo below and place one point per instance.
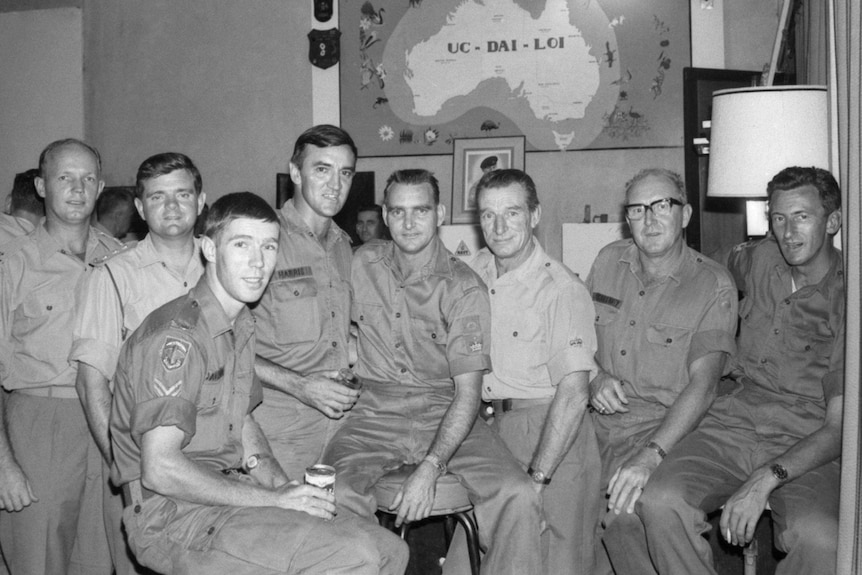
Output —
(660, 207)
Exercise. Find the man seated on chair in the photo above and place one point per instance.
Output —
(203, 492)
(665, 320)
(543, 341)
(777, 437)
(423, 320)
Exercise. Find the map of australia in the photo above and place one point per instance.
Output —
(471, 48)
(540, 64)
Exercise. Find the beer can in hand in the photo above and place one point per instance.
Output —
(322, 476)
(348, 378)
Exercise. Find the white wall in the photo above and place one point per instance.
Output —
(41, 85)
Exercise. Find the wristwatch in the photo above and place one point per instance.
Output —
(779, 472)
(538, 476)
(251, 462)
(438, 464)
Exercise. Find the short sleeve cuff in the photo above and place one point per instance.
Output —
(706, 342)
(469, 364)
(570, 360)
(833, 385)
(97, 354)
(163, 412)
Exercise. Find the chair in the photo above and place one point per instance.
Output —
(450, 502)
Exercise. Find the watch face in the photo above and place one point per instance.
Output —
(538, 476)
(779, 472)
(252, 461)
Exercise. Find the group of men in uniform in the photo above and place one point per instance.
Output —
(204, 375)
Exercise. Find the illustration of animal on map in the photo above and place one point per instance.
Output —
(563, 140)
(609, 55)
(367, 10)
(379, 102)
(489, 126)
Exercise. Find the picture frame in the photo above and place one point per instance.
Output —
(472, 157)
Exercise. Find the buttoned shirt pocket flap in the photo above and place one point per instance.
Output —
(519, 326)
(46, 305)
(288, 290)
(606, 314)
(366, 313)
(669, 336)
(805, 342)
(298, 302)
(428, 331)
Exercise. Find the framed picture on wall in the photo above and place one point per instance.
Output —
(473, 158)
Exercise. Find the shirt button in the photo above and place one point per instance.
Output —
(623, 352)
(361, 318)
(50, 307)
(787, 301)
(185, 284)
(334, 344)
(547, 264)
(493, 292)
(333, 314)
(668, 340)
(211, 530)
(137, 508)
(642, 292)
(398, 314)
(775, 331)
(230, 427)
(763, 360)
(296, 292)
(397, 345)
(632, 322)
(403, 370)
(515, 334)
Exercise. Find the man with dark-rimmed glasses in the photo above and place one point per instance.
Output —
(665, 321)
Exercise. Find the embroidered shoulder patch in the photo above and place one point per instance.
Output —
(174, 353)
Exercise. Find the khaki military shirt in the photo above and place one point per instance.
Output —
(791, 343)
(119, 294)
(37, 307)
(12, 227)
(542, 326)
(420, 332)
(649, 335)
(303, 318)
(186, 366)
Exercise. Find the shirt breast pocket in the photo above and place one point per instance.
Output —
(806, 344)
(300, 310)
(51, 311)
(668, 344)
(429, 340)
(521, 340)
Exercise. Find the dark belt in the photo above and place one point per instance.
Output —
(500, 406)
(134, 493)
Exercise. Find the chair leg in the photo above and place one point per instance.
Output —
(448, 529)
(468, 522)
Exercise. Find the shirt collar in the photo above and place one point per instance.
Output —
(48, 244)
(630, 256)
(439, 264)
(149, 256)
(216, 319)
(825, 285)
(294, 224)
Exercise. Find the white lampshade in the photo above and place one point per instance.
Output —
(757, 132)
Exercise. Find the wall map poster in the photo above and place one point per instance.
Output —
(567, 74)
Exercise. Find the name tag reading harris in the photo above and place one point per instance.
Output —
(293, 273)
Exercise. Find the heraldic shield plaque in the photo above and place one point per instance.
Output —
(324, 47)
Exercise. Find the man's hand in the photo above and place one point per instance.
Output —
(323, 392)
(307, 498)
(416, 496)
(15, 491)
(629, 480)
(607, 395)
(744, 508)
